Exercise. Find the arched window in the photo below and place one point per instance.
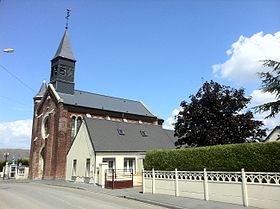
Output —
(76, 123)
(73, 127)
(46, 126)
(79, 123)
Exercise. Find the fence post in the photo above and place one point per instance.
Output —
(244, 188)
(113, 179)
(205, 184)
(153, 182)
(143, 181)
(176, 183)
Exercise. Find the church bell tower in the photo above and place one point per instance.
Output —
(63, 65)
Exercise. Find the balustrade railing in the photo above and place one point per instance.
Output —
(215, 176)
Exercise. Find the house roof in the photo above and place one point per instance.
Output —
(170, 134)
(102, 102)
(277, 128)
(115, 136)
(64, 49)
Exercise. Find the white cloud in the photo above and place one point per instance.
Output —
(259, 97)
(16, 134)
(245, 57)
(168, 124)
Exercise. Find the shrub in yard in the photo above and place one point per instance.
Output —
(255, 157)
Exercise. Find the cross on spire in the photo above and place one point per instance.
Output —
(67, 17)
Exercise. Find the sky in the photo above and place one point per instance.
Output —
(156, 51)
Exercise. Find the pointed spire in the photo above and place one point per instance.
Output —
(42, 90)
(64, 49)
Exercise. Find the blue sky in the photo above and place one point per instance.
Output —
(157, 51)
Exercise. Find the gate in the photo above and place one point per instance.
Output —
(118, 179)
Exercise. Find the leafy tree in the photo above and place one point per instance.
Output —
(23, 161)
(2, 164)
(271, 84)
(214, 117)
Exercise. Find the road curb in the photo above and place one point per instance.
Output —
(151, 202)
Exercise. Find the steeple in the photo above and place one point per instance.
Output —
(64, 49)
(63, 65)
(42, 91)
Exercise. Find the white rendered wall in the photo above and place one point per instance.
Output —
(119, 162)
(225, 192)
(81, 150)
(193, 189)
(256, 189)
(264, 196)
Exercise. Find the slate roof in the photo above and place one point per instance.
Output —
(170, 134)
(42, 90)
(105, 137)
(102, 102)
(64, 48)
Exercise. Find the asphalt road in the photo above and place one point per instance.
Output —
(38, 196)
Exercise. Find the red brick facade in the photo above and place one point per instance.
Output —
(48, 152)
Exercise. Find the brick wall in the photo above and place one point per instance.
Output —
(53, 148)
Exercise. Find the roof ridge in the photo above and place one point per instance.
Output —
(116, 121)
(109, 96)
(146, 107)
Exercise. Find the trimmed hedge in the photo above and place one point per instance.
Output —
(254, 157)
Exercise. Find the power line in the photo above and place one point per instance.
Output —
(17, 78)
(15, 101)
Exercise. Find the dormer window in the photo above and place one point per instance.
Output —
(121, 131)
(144, 133)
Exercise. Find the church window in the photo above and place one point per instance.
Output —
(62, 70)
(69, 71)
(45, 127)
(73, 127)
(55, 70)
(79, 123)
(76, 123)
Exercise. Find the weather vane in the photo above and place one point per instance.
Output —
(67, 18)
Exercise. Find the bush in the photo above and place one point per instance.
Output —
(2, 164)
(255, 157)
(23, 161)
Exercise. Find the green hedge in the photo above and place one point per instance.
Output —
(253, 157)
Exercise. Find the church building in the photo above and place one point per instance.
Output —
(69, 123)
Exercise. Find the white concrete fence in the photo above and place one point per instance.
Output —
(256, 189)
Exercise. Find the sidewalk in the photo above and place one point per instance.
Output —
(167, 201)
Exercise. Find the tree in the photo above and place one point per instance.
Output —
(271, 84)
(23, 161)
(214, 117)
